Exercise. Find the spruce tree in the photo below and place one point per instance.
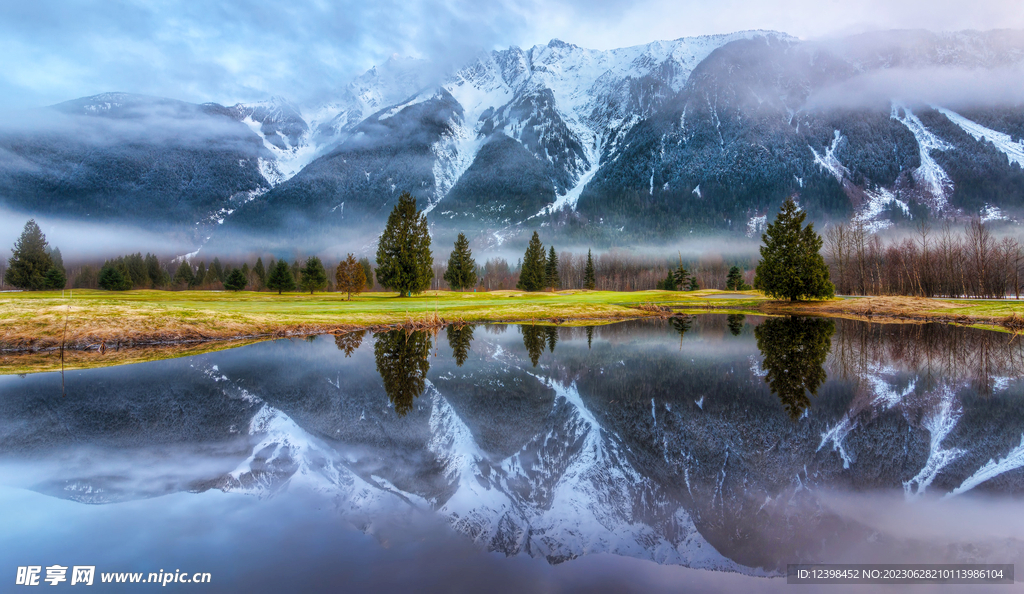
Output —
(734, 282)
(791, 265)
(236, 280)
(113, 277)
(350, 277)
(668, 283)
(183, 277)
(589, 280)
(461, 273)
(280, 278)
(260, 273)
(531, 276)
(404, 261)
(680, 276)
(314, 276)
(551, 270)
(30, 260)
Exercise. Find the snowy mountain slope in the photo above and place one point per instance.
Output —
(148, 161)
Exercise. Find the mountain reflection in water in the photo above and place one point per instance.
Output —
(717, 442)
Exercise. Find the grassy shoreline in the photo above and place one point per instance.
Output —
(146, 325)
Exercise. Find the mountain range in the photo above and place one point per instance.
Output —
(637, 145)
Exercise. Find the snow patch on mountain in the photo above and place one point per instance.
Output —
(1012, 461)
(837, 435)
(930, 174)
(940, 422)
(829, 162)
(1003, 142)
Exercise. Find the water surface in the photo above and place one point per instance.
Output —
(638, 455)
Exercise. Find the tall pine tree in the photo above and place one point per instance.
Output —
(461, 273)
(532, 275)
(404, 261)
(589, 279)
(551, 270)
(791, 265)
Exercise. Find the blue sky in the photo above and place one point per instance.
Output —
(243, 50)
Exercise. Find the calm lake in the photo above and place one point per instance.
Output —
(690, 454)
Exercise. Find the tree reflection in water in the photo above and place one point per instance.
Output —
(459, 338)
(402, 364)
(349, 342)
(736, 322)
(533, 340)
(794, 351)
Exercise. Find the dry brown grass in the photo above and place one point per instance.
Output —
(910, 308)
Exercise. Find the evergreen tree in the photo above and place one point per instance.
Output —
(211, 279)
(403, 363)
(669, 283)
(680, 276)
(531, 276)
(281, 278)
(184, 276)
(56, 276)
(791, 265)
(260, 273)
(30, 260)
(367, 271)
(551, 270)
(734, 282)
(134, 269)
(350, 276)
(236, 280)
(589, 280)
(533, 340)
(552, 334)
(157, 275)
(459, 338)
(200, 276)
(461, 273)
(314, 276)
(794, 351)
(404, 261)
(114, 278)
(218, 271)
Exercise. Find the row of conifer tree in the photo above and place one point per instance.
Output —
(404, 263)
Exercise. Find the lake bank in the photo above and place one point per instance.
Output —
(99, 328)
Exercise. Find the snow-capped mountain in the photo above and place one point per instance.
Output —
(638, 144)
